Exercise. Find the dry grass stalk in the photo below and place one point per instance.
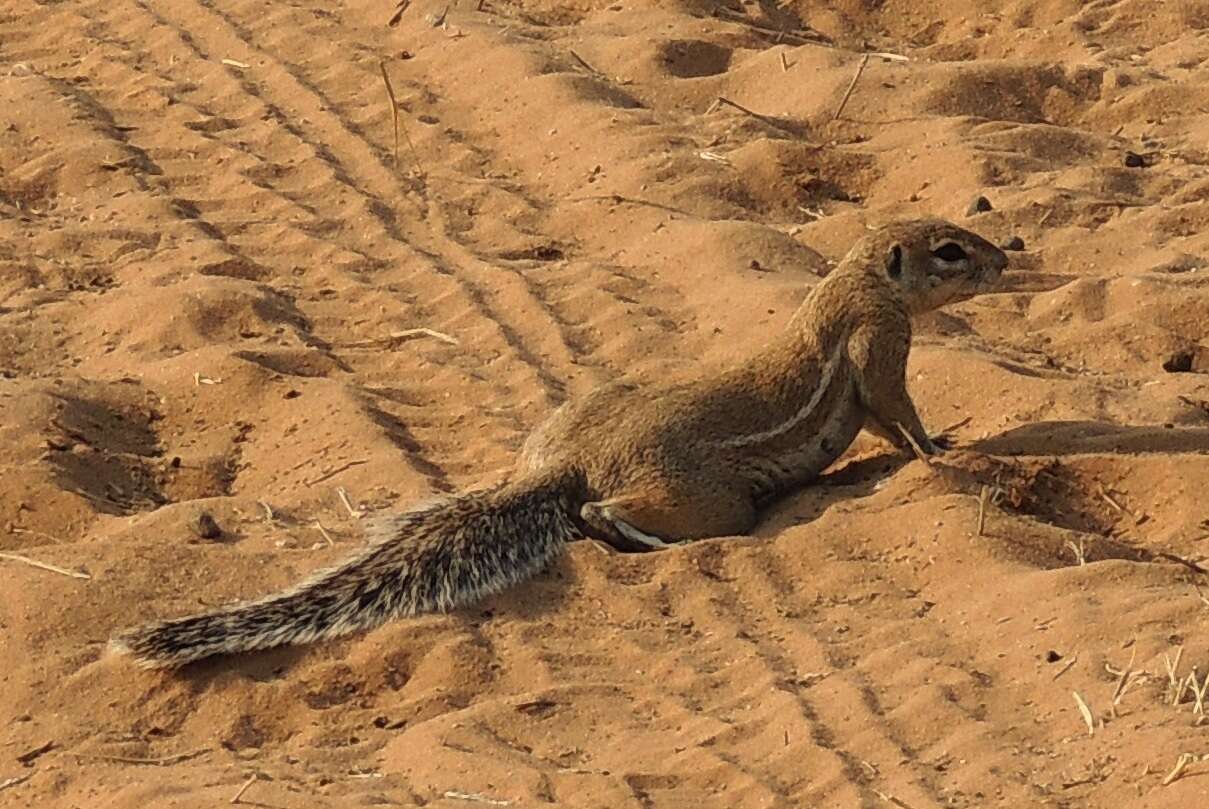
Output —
(784, 62)
(1108, 499)
(16, 529)
(1201, 596)
(12, 557)
(1079, 551)
(765, 119)
(1179, 692)
(268, 510)
(860, 68)
(14, 781)
(394, 109)
(475, 798)
(330, 542)
(162, 761)
(1086, 712)
(233, 63)
(1180, 765)
(919, 453)
(899, 802)
(1066, 666)
(238, 797)
(331, 473)
(957, 425)
(399, 125)
(1173, 668)
(1199, 690)
(1188, 563)
(396, 337)
(398, 15)
(342, 493)
(798, 38)
(1126, 673)
(984, 497)
(584, 64)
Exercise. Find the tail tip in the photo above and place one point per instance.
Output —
(118, 647)
(125, 645)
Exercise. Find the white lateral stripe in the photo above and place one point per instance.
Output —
(634, 535)
(833, 362)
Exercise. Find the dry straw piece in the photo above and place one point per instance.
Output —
(14, 781)
(919, 453)
(1067, 666)
(984, 497)
(396, 337)
(764, 119)
(237, 798)
(584, 63)
(12, 557)
(162, 761)
(1125, 678)
(330, 542)
(1086, 712)
(1173, 680)
(331, 473)
(342, 493)
(860, 68)
(475, 798)
(1181, 764)
(399, 125)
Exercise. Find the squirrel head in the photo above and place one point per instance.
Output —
(930, 262)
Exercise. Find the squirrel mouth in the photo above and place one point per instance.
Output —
(991, 275)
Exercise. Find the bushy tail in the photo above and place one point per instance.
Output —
(431, 559)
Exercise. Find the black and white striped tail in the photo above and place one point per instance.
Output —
(432, 559)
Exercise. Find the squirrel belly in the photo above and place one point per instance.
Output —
(433, 559)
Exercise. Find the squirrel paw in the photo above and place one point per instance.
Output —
(941, 443)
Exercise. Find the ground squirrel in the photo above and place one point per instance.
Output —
(639, 466)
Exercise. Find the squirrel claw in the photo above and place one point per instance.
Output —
(941, 443)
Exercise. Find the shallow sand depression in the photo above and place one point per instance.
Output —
(226, 288)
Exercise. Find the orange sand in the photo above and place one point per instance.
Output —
(202, 264)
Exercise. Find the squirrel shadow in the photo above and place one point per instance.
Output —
(1094, 437)
(846, 481)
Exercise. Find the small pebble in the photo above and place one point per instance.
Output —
(1133, 160)
(979, 205)
(207, 527)
(1013, 244)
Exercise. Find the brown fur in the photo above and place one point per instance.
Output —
(641, 466)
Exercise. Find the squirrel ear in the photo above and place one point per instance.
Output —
(894, 262)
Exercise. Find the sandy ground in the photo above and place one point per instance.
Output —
(206, 246)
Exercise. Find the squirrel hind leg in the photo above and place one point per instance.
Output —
(604, 521)
(655, 521)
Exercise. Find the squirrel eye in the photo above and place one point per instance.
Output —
(950, 251)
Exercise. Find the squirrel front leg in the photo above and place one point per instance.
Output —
(880, 365)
